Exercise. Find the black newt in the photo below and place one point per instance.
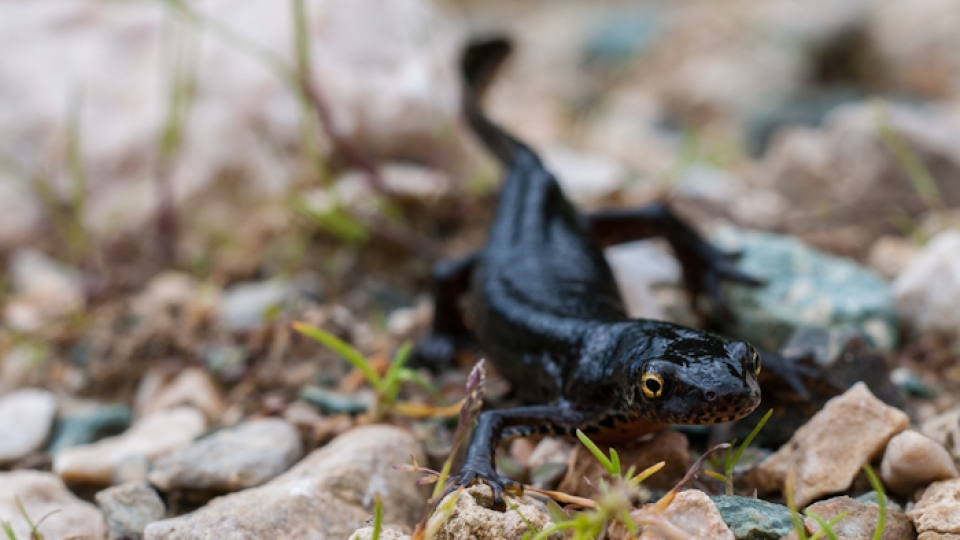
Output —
(547, 312)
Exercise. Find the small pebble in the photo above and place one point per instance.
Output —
(243, 305)
(192, 386)
(927, 291)
(913, 461)
(151, 436)
(692, 512)
(333, 402)
(102, 421)
(26, 417)
(829, 451)
(473, 517)
(861, 521)
(754, 519)
(232, 459)
(128, 508)
(44, 496)
(935, 514)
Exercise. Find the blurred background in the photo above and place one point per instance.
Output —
(179, 180)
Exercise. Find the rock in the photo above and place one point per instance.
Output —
(913, 461)
(316, 429)
(861, 521)
(616, 40)
(25, 420)
(44, 496)
(43, 290)
(243, 305)
(847, 217)
(128, 508)
(584, 471)
(550, 450)
(692, 512)
(192, 386)
(327, 495)
(638, 268)
(889, 255)
(937, 510)
(584, 178)
(754, 519)
(22, 366)
(804, 287)
(232, 459)
(331, 401)
(150, 436)
(927, 291)
(872, 497)
(829, 451)
(945, 430)
(131, 469)
(383, 69)
(101, 421)
(366, 533)
(916, 46)
(473, 517)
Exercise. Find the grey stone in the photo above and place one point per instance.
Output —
(102, 421)
(236, 458)
(328, 495)
(927, 291)
(244, 305)
(804, 287)
(754, 519)
(26, 417)
(128, 508)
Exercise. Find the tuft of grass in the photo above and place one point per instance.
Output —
(388, 386)
(35, 533)
(732, 458)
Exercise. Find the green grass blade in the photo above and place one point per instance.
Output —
(342, 348)
(881, 501)
(377, 518)
(392, 380)
(597, 453)
(748, 440)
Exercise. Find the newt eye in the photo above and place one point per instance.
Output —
(756, 363)
(652, 385)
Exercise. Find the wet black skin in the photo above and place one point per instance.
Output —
(545, 309)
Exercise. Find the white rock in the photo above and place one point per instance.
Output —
(192, 386)
(584, 178)
(243, 305)
(240, 457)
(46, 498)
(26, 417)
(472, 517)
(638, 268)
(43, 290)
(693, 513)
(328, 495)
(945, 430)
(927, 291)
(912, 461)
(935, 514)
(151, 436)
(829, 450)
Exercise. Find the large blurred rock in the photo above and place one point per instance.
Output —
(328, 495)
(847, 187)
(383, 67)
(45, 498)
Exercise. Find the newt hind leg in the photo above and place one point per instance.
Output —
(448, 331)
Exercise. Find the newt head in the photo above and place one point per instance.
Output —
(683, 376)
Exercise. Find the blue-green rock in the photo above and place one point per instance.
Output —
(332, 402)
(103, 421)
(754, 519)
(619, 39)
(803, 287)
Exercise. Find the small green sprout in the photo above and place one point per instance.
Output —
(386, 387)
(34, 532)
(377, 517)
(734, 457)
(881, 501)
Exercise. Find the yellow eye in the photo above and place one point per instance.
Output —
(756, 363)
(652, 385)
